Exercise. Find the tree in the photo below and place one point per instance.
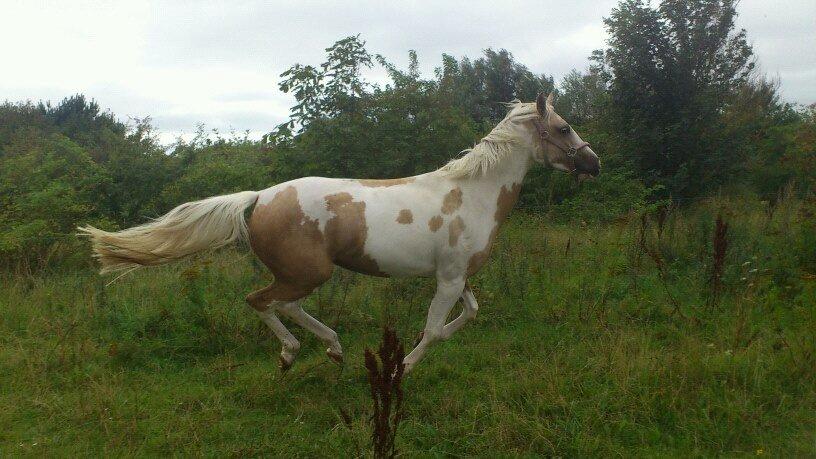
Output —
(354, 129)
(326, 91)
(581, 97)
(671, 71)
(482, 86)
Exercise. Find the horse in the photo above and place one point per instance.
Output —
(440, 224)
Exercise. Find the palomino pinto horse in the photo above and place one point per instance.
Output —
(440, 224)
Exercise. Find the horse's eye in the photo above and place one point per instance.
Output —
(565, 130)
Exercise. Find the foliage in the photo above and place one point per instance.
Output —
(205, 167)
(325, 92)
(65, 165)
(47, 184)
(480, 87)
(671, 71)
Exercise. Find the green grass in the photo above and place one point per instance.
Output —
(586, 351)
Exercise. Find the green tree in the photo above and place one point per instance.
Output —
(482, 86)
(671, 71)
(327, 91)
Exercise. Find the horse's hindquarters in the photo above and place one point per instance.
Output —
(287, 241)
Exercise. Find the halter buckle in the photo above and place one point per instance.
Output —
(572, 152)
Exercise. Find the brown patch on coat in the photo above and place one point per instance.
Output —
(504, 205)
(346, 235)
(452, 201)
(376, 183)
(455, 228)
(435, 223)
(405, 217)
(291, 245)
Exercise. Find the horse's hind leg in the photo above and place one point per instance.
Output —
(266, 302)
(289, 344)
(295, 312)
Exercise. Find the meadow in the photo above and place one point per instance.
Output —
(591, 340)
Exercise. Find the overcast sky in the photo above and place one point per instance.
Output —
(217, 63)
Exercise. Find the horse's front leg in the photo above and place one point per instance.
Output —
(447, 292)
(469, 310)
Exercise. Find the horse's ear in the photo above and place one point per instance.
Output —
(544, 104)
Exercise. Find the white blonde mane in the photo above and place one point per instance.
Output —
(494, 146)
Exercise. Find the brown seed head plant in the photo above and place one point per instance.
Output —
(720, 247)
(385, 380)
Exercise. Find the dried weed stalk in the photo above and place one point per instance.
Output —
(720, 247)
(385, 380)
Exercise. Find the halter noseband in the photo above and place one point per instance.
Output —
(570, 150)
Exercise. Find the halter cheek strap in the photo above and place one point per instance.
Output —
(570, 150)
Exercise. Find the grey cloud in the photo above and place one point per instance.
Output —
(218, 62)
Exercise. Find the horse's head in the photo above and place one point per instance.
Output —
(559, 145)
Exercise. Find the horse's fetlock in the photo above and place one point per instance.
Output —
(291, 346)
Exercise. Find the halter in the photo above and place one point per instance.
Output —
(570, 150)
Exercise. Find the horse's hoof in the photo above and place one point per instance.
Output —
(285, 364)
(419, 338)
(336, 356)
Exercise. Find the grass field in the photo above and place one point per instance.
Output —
(586, 344)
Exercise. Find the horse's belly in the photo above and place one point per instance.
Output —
(400, 254)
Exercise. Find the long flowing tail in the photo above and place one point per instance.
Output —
(185, 230)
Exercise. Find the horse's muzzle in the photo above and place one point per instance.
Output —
(587, 162)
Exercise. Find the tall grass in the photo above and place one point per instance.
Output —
(599, 349)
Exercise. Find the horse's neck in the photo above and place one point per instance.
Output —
(509, 173)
